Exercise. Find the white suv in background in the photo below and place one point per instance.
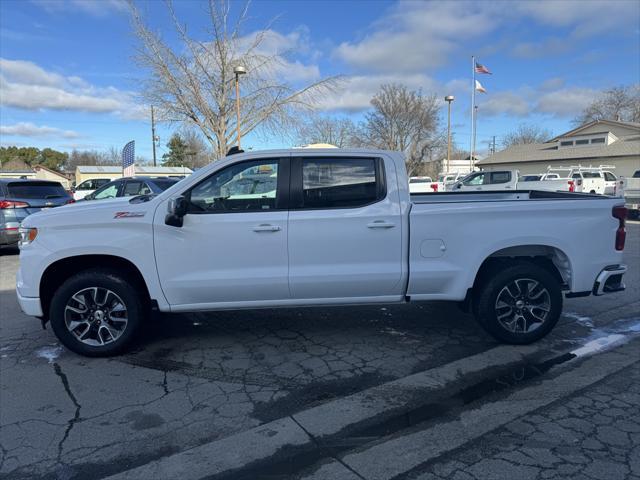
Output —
(88, 186)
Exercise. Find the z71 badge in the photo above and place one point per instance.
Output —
(129, 214)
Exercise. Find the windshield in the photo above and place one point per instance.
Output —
(36, 190)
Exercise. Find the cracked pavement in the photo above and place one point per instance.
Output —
(195, 378)
(593, 435)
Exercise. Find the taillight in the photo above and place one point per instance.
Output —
(10, 204)
(572, 186)
(434, 187)
(71, 200)
(620, 212)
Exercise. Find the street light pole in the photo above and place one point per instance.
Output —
(239, 70)
(153, 136)
(448, 99)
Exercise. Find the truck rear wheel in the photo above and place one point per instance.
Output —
(519, 303)
(96, 313)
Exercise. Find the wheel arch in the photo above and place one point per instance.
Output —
(61, 270)
(551, 258)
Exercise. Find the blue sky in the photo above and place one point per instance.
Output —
(68, 80)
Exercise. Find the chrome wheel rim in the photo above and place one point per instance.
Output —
(523, 305)
(96, 316)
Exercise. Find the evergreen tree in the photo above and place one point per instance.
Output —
(178, 152)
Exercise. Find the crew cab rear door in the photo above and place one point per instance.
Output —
(345, 229)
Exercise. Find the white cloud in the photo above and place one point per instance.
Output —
(584, 17)
(282, 48)
(28, 86)
(566, 102)
(96, 8)
(550, 97)
(416, 36)
(357, 91)
(508, 103)
(27, 129)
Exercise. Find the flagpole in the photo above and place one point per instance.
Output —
(473, 104)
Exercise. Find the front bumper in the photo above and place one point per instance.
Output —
(30, 305)
(610, 280)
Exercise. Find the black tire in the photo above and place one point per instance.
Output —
(514, 277)
(123, 293)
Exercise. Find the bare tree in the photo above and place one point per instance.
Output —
(193, 82)
(618, 103)
(198, 152)
(407, 121)
(526, 133)
(340, 132)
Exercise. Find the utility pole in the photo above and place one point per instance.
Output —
(493, 147)
(153, 136)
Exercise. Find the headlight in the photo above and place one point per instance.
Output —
(27, 235)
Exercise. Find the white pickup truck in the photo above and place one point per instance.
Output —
(291, 228)
(631, 188)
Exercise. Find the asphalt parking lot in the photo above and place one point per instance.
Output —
(196, 381)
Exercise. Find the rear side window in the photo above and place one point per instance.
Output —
(135, 188)
(339, 182)
(500, 177)
(35, 190)
(164, 184)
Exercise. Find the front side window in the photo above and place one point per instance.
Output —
(136, 187)
(609, 177)
(108, 191)
(243, 187)
(475, 179)
(500, 177)
(339, 182)
(87, 185)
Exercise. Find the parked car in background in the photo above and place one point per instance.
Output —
(420, 185)
(132, 186)
(446, 181)
(88, 186)
(537, 177)
(20, 198)
(631, 189)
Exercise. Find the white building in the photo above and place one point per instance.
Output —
(597, 143)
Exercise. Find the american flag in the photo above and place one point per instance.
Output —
(482, 69)
(129, 159)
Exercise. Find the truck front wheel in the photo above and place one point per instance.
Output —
(96, 313)
(519, 303)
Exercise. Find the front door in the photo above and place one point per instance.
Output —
(345, 229)
(232, 246)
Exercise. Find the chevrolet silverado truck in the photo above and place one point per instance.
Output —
(294, 228)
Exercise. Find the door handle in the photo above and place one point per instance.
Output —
(265, 227)
(380, 224)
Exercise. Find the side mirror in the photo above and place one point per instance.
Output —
(458, 186)
(176, 210)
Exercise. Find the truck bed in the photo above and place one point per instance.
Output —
(500, 196)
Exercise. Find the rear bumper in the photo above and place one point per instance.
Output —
(9, 235)
(610, 280)
(30, 305)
